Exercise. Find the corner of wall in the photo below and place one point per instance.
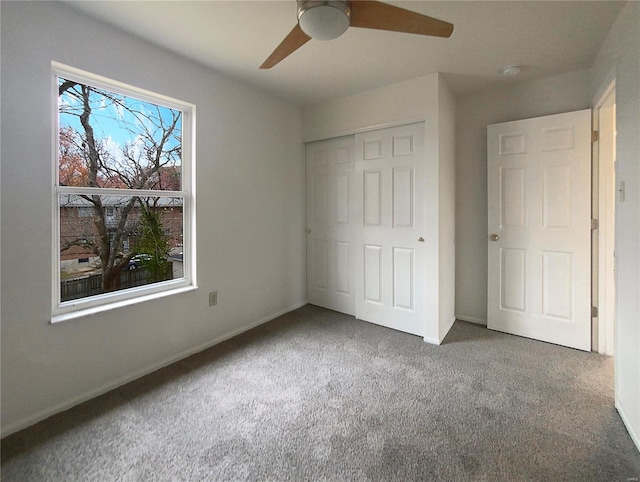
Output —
(472, 319)
(446, 207)
(445, 327)
(432, 340)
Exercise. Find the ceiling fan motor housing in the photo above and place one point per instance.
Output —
(324, 20)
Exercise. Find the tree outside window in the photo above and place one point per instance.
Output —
(120, 194)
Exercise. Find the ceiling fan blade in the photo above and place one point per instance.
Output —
(382, 16)
(292, 42)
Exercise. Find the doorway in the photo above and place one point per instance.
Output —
(603, 207)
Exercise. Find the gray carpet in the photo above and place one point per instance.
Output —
(316, 395)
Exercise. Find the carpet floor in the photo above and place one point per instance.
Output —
(317, 395)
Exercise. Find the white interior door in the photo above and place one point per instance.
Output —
(331, 205)
(389, 260)
(539, 220)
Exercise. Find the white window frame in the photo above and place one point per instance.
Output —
(62, 311)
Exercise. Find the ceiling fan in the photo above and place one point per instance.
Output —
(328, 19)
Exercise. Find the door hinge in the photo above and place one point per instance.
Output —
(594, 224)
(594, 136)
(594, 312)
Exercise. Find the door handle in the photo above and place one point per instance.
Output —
(421, 239)
(494, 237)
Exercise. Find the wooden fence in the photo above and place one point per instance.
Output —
(90, 285)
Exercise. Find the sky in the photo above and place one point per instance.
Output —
(113, 123)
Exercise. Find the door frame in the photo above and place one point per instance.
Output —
(603, 238)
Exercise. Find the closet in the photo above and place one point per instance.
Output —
(366, 220)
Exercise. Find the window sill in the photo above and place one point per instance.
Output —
(93, 310)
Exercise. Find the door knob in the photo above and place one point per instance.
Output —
(495, 237)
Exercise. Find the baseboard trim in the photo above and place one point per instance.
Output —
(431, 340)
(61, 407)
(632, 433)
(472, 319)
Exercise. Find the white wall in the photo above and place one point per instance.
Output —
(429, 101)
(552, 95)
(619, 58)
(394, 104)
(423, 99)
(447, 208)
(250, 229)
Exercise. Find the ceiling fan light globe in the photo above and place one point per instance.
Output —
(324, 20)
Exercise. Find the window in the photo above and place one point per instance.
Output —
(124, 194)
(85, 212)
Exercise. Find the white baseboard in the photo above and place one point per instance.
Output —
(472, 319)
(632, 433)
(438, 341)
(72, 402)
(433, 341)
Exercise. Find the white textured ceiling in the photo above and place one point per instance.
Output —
(235, 37)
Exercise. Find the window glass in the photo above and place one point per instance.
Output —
(122, 192)
(110, 140)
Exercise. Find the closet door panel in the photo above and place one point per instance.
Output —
(331, 208)
(390, 178)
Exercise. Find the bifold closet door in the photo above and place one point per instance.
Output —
(331, 207)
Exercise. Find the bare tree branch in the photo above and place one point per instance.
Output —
(138, 166)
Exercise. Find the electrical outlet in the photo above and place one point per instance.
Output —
(213, 298)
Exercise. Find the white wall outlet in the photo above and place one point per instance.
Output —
(213, 298)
